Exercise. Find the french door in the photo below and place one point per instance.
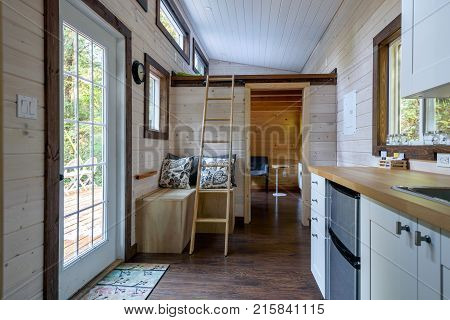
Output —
(88, 210)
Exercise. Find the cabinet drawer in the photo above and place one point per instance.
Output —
(319, 222)
(318, 203)
(318, 254)
(388, 219)
(317, 184)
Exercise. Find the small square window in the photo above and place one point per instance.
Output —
(171, 23)
(156, 93)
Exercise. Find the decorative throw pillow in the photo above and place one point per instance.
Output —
(194, 169)
(175, 173)
(233, 165)
(214, 177)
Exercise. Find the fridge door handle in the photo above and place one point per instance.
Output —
(347, 254)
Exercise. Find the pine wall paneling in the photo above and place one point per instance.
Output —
(348, 46)
(23, 50)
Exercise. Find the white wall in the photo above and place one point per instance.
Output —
(347, 45)
(23, 73)
(217, 67)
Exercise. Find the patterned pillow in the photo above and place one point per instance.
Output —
(214, 177)
(175, 173)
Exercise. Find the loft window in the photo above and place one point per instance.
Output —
(199, 62)
(156, 97)
(417, 127)
(173, 26)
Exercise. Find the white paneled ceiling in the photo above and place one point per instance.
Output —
(270, 33)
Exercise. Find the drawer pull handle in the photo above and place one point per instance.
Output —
(315, 219)
(314, 200)
(420, 238)
(315, 182)
(314, 235)
(399, 228)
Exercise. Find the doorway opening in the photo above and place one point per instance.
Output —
(274, 144)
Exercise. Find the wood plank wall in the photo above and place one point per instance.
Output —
(276, 133)
(318, 136)
(186, 107)
(23, 73)
(347, 45)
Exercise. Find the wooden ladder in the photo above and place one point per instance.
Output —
(228, 190)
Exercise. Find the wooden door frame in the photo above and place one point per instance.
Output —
(52, 139)
(247, 112)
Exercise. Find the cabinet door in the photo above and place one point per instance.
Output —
(393, 264)
(425, 50)
(429, 263)
(318, 253)
(445, 283)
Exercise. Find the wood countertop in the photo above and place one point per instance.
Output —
(376, 184)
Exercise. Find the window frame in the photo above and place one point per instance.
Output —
(198, 50)
(380, 108)
(177, 16)
(151, 66)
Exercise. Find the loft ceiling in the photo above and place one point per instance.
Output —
(269, 33)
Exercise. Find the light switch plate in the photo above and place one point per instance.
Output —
(443, 160)
(26, 107)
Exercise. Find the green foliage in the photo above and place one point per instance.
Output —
(442, 114)
(410, 118)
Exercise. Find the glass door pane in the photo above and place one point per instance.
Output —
(84, 144)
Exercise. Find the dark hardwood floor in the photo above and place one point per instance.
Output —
(268, 259)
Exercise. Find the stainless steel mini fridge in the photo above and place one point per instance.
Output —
(344, 246)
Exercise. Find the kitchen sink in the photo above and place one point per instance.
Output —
(438, 194)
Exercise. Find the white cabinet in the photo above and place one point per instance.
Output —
(401, 258)
(428, 262)
(425, 48)
(319, 237)
(393, 257)
(445, 256)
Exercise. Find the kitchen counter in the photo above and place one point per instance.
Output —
(376, 184)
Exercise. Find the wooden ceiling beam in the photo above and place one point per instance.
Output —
(241, 80)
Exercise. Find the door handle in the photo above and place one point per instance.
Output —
(419, 238)
(61, 177)
(314, 200)
(399, 228)
(315, 182)
(314, 235)
(315, 219)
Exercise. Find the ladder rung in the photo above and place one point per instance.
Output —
(215, 141)
(215, 165)
(220, 79)
(220, 99)
(214, 190)
(217, 119)
(212, 220)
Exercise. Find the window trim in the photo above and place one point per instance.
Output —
(199, 51)
(380, 107)
(184, 52)
(163, 132)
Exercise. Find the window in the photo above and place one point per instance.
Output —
(173, 26)
(417, 127)
(156, 99)
(200, 63)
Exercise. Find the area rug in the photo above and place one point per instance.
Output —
(128, 281)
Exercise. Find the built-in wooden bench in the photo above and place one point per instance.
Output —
(164, 218)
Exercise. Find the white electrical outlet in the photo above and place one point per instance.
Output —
(443, 160)
(26, 107)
